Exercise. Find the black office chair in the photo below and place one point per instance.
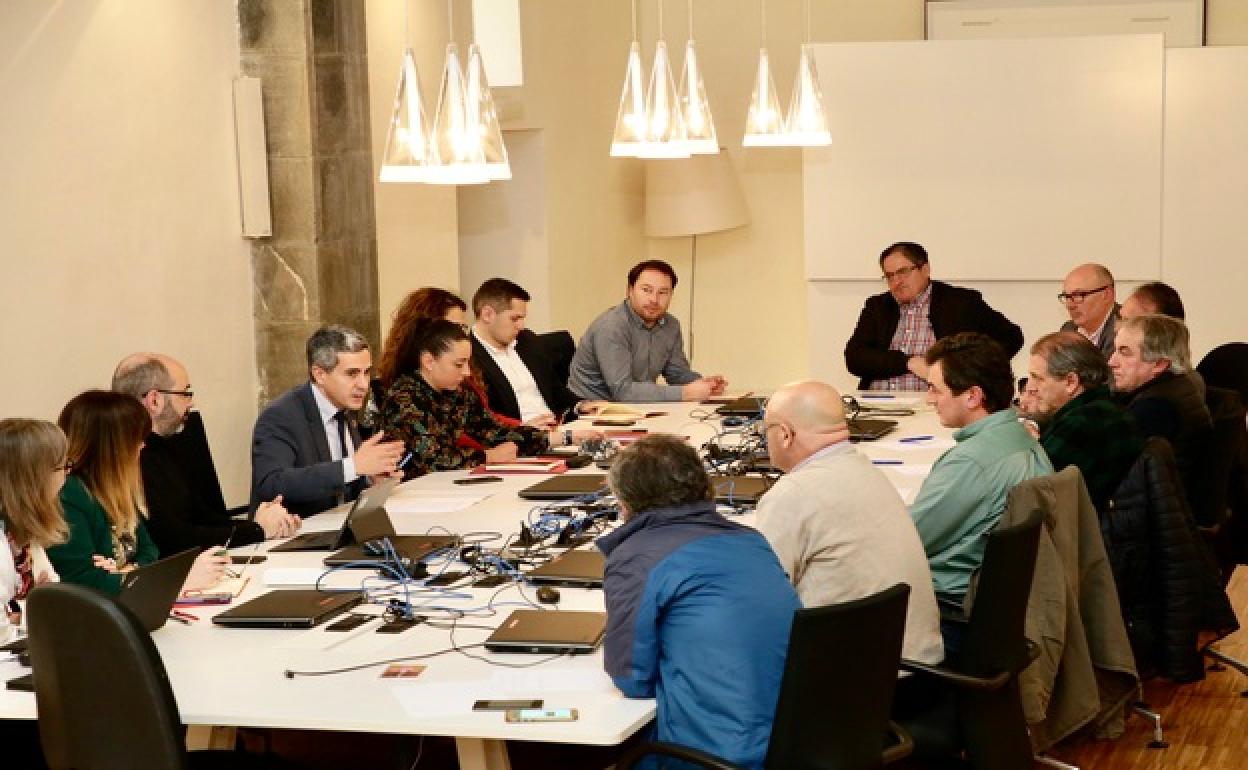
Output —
(101, 690)
(988, 723)
(837, 690)
(559, 348)
(1226, 366)
(195, 458)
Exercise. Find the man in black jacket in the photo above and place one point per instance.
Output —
(897, 327)
(185, 506)
(519, 378)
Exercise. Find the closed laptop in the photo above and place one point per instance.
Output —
(549, 632)
(579, 568)
(869, 430)
(746, 406)
(566, 487)
(740, 490)
(290, 608)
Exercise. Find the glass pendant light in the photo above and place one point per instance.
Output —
(407, 139)
(454, 148)
(807, 124)
(764, 124)
(485, 119)
(700, 136)
(665, 128)
(630, 121)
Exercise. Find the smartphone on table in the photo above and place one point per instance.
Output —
(542, 715)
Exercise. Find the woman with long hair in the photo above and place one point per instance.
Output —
(32, 471)
(103, 496)
(419, 305)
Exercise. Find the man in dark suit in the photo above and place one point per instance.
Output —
(1091, 301)
(519, 379)
(306, 446)
(896, 328)
(185, 506)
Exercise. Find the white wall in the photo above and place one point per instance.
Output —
(119, 207)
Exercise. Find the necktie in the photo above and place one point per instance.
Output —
(341, 418)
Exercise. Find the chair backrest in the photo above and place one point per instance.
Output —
(559, 348)
(1209, 494)
(102, 693)
(195, 461)
(838, 684)
(994, 636)
(1226, 366)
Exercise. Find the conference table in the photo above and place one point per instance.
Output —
(237, 677)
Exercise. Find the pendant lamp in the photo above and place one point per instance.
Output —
(455, 155)
(407, 138)
(630, 120)
(764, 123)
(484, 118)
(665, 127)
(700, 136)
(807, 124)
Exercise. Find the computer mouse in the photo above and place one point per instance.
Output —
(732, 421)
(548, 595)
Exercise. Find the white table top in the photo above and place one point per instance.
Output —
(226, 676)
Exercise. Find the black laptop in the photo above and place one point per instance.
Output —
(740, 490)
(566, 486)
(149, 592)
(372, 523)
(549, 632)
(579, 568)
(370, 499)
(869, 430)
(746, 406)
(289, 608)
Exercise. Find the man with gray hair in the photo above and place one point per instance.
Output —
(1153, 376)
(1080, 425)
(306, 446)
(1090, 298)
(185, 506)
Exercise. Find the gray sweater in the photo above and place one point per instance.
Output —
(619, 359)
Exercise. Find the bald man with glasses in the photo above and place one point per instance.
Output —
(1090, 299)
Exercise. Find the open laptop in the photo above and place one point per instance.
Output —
(740, 490)
(869, 430)
(746, 406)
(289, 608)
(549, 632)
(370, 499)
(579, 568)
(149, 592)
(565, 486)
(372, 523)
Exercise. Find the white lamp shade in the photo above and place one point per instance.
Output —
(455, 147)
(692, 196)
(665, 127)
(630, 121)
(807, 124)
(764, 124)
(407, 139)
(700, 136)
(482, 115)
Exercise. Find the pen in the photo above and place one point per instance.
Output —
(874, 396)
(914, 439)
(888, 462)
(185, 618)
(403, 462)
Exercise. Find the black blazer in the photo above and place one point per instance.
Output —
(953, 310)
(290, 456)
(502, 399)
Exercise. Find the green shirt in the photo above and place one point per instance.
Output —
(965, 494)
(91, 534)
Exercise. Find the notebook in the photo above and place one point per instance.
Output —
(370, 499)
(746, 406)
(149, 592)
(549, 632)
(580, 568)
(740, 490)
(869, 430)
(566, 487)
(288, 608)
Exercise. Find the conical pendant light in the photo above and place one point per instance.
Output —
(764, 125)
(665, 128)
(807, 126)
(407, 139)
(481, 114)
(630, 121)
(700, 136)
(454, 147)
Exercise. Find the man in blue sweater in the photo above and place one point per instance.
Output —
(698, 607)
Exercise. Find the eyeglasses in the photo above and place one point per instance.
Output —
(1079, 295)
(188, 393)
(901, 272)
(66, 466)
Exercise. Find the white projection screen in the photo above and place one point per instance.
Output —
(1010, 160)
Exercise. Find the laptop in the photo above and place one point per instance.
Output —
(370, 499)
(549, 632)
(566, 487)
(746, 406)
(149, 592)
(740, 490)
(371, 522)
(289, 608)
(869, 430)
(580, 568)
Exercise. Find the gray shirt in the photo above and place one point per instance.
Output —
(619, 359)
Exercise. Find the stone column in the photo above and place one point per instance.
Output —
(320, 265)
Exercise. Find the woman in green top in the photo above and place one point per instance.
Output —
(103, 497)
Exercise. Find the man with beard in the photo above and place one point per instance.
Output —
(1080, 424)
(185, 505)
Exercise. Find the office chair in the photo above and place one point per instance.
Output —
(559, 348)
(839, 678)
(988, 722)
(102, 692)
(195, 458)
(1226, 366)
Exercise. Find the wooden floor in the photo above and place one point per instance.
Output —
(1206, 723)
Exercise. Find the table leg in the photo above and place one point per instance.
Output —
(482, 754)
(199, 737)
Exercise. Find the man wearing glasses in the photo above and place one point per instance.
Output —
(1088, 294)
(896, 328)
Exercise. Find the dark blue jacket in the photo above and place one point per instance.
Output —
(698, 617)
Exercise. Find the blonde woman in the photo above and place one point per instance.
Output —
(103, 496)
(32, 471)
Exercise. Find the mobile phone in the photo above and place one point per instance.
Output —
(446, 578)
(506, 705)
(614, 421)
(491, 581)
(348, 623)
(542, 715)
(477, 480)
(399, 625)
(236, 559)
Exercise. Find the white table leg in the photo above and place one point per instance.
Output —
(482, 754)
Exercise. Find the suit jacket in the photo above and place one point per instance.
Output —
(501, 397)
(290, 456)
(185, 507)
(1106, 342)
(953, 310)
